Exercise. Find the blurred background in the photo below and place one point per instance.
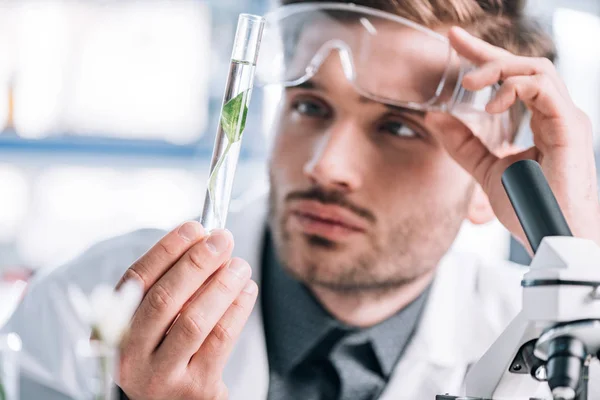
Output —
(108, 111)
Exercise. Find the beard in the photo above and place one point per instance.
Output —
(411, 246)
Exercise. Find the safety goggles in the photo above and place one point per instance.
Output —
(387, 58)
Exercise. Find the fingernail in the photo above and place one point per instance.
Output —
(218, 241)
(239, 267)
(189, 231)
(250, 287)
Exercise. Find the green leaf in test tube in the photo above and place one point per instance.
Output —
(235, 112)
(233, 122)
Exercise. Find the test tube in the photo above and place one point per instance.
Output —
(232, 121)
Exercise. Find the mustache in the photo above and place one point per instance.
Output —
(332, 198)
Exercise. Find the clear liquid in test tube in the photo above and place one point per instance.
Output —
(232, 121)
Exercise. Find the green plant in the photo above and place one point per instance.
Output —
(233, 122)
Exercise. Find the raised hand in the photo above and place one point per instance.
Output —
(562, 134)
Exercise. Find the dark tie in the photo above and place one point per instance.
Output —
(357, 368)
(342, 367)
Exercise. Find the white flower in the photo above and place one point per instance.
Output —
(107, 312)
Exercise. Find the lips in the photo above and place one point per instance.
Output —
(330, 221)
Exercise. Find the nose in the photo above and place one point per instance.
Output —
(338, 161)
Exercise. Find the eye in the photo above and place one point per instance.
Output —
(311, 108)
(399, 129)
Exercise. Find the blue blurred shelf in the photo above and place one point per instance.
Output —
(98, 147)
(101, 146)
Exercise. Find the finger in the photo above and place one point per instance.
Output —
(217, 347)
(462, 145)
(474, 49)
(152, 265)
(167, 296)
(202, 315)
(500, 70)
(536, 91)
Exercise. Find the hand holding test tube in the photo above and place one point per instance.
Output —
(155, 365)
(232, 121)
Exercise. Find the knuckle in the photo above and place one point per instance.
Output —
(222, 333)
(168, 248)
(197, 257)
(239, 307)
(223, 286)
(192, 325)
(133, 274)
(159, 298)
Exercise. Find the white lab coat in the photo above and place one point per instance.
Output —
(469, 305)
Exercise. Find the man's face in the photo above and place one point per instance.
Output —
(362, 195)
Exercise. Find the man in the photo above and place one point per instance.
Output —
(376, 163)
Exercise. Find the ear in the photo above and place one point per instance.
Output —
(480, 211)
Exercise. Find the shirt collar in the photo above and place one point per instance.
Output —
(294, 321)
(390, 337)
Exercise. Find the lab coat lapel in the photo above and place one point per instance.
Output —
(446, 341)
(247, 372)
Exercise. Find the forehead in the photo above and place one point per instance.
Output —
(381, 56)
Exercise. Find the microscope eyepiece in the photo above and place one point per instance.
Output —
(566, 355)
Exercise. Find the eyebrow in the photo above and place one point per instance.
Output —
(311, 84)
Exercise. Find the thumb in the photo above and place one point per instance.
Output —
(462, 145)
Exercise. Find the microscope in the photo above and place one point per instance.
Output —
(545, 351)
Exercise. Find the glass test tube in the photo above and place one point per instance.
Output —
(232, 121)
